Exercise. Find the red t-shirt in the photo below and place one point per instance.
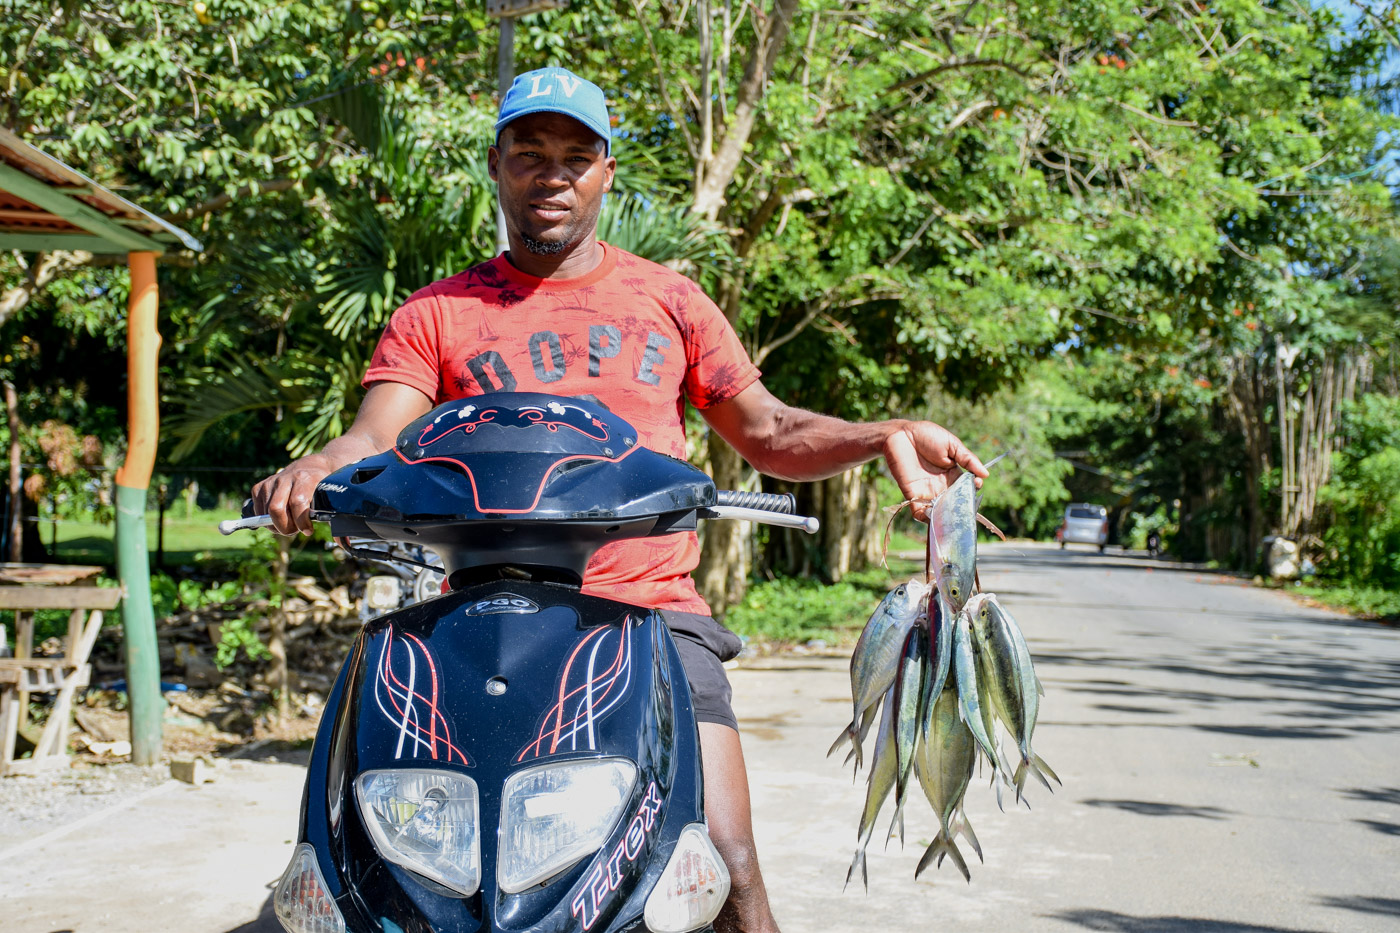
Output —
(632, 335)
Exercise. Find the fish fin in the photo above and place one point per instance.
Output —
(986, 523)
(942, 845)
(995, 460)
(1041, 766)
(858, 861)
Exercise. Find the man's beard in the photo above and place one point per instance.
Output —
(542, 248)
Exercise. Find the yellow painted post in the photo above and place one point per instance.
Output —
(133, 480)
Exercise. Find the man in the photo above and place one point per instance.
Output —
(562, 312)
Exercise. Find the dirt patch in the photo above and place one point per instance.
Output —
(208, 723)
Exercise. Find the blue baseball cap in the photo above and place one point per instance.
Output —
(556, 90)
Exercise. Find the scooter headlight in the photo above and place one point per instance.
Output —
(555, 814)
(426, 821)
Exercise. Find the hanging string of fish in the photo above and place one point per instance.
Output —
(941, 665)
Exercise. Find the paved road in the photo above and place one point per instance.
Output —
(1231, 765)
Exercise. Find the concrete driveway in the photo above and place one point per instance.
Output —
(1230, 759)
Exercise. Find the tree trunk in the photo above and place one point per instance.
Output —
(15, 533)
(278, 675)
(722, 575)
(1308, 445)
(1247, 398)
(715, 171)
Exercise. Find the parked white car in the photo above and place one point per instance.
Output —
(1084, 524)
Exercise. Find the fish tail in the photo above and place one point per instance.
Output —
(964, 828)
(896, 823)
(1034, 765)
(943, 845)
(858, 862)
(846, 736)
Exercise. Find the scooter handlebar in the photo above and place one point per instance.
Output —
(801, 522)
(767, 508)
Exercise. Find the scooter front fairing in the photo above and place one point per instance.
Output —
(491, 687)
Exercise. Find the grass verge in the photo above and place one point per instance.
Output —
(792, 611)
(1366, 601)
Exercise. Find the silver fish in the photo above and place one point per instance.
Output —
(1006, 635)
(952, 540)
(940, 616)
(875, 660)
(969, 703)
(881, 781)
(944, 766)
(910, 705)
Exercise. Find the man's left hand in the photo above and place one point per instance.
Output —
(925, 459)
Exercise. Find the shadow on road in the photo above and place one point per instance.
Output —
(1152, 808)
(1275, 683)
(1362, 904)
(266, 921)
(1114, 922)
(1389, 829)
(1374, 795)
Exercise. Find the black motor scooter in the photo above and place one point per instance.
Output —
(512, 755)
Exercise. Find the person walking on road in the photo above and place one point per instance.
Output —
(564, 313)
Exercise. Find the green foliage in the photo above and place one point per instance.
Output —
(796, 611)
(1368, 601)
(1057, 227)
(1362, 543)
(235, 635)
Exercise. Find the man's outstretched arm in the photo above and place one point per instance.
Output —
(286, 495)
(792, 444)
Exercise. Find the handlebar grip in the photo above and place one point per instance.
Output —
(783, 503)
(249, 521)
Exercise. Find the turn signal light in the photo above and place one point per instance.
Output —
(693, 887)
(301, 901)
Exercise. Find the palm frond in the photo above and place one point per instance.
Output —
(237, 386)
(668, 235)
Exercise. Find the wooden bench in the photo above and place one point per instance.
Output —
(24, 674)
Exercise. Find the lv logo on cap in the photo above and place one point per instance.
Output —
(539, 87)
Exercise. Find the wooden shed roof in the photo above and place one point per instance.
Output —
(45, 205)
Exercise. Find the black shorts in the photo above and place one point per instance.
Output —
(704, 645)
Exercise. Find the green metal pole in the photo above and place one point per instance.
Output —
(146, 705)
(133, 479)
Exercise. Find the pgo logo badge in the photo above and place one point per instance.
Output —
(505, 604)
